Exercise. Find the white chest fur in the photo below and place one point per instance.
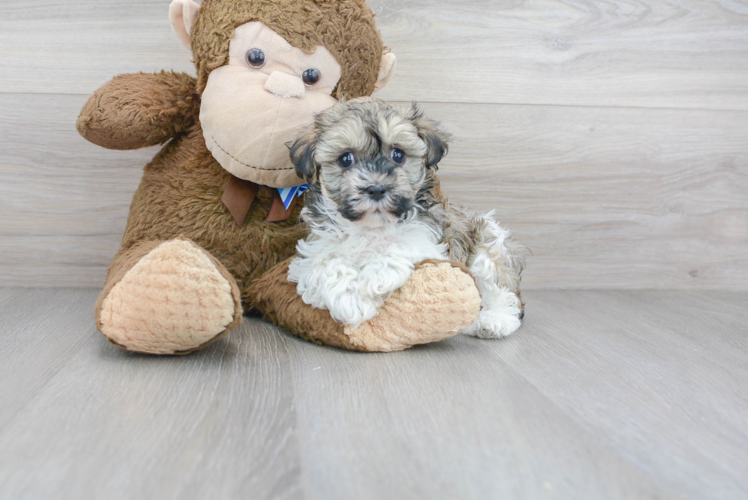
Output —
(350, 270)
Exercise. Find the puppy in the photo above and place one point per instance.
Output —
(374, 210)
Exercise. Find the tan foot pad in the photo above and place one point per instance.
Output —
(173, 300)
(439, 301)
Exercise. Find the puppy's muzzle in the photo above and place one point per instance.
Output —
(377, 192)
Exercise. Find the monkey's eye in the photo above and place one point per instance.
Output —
(398, 156)
(256, 58)
(310, 77)
(347, 160)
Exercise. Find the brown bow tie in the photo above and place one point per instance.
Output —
(240, 194)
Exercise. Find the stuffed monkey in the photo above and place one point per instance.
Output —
(217, 208)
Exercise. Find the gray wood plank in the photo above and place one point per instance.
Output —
(660, 376)
(600, 395)
(609, 198)
(690, 54)
(219, 424)
(63, 201)
(446, 421)
(654, 53)
(606, 198)
(44, 40)
(40, 331)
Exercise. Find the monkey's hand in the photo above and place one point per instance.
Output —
(138, 110)
(439, 300)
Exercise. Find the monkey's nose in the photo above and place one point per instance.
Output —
(284, 85)
(376, 192)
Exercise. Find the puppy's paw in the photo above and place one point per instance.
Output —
(351, 308)
(501, 314)
(495, 324)
(383, 276)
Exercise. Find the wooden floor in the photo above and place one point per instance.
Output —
(601, 395)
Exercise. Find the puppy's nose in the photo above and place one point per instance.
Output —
(285, 85)
(376, 192)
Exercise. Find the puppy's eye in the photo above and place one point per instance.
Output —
(256, 58)
(347, 160)
(310, 77)
(398, 156)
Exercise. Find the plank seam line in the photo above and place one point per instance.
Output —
(466, 103)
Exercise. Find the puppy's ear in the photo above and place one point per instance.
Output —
(437, 140)
(302, 156)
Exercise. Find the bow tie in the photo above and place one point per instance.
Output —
(240, 194)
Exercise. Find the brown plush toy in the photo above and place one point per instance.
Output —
(211, 215)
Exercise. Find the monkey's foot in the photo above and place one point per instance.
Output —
(439, 301)
(175, 299)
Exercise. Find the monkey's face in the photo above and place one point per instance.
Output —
(369, 158)
(255, 105)
(265, 68)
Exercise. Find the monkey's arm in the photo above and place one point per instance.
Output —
(439, 300)
(137, 110)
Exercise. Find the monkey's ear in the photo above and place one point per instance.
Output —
(182, 15)
(386, 70)
(437, 140)
(302, 156)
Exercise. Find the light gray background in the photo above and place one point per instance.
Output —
(610, 136)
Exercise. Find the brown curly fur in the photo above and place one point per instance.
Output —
(140, 110)
(180, 194)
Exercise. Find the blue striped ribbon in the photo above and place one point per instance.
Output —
(288, 194)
